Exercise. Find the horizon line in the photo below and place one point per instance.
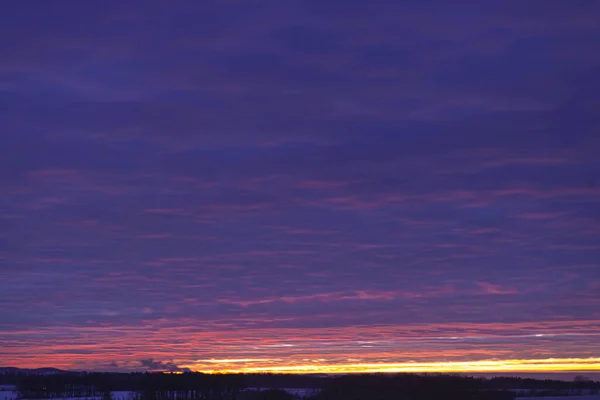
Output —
(510, 366)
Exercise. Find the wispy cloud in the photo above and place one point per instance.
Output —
(184, 182)
(168, 366)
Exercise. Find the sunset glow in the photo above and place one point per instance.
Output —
(510, 347)
(300, 186)
(508, 366)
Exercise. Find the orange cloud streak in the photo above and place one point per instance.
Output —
(240, 346)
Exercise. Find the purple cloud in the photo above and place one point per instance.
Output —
(319, 172)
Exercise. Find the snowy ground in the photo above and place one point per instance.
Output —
(12, 395)
(8, 393)
(568, 392)
(300, 392)
(589, 397)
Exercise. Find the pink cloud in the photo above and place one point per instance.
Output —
(489, 288)
(155, 236)
(543, 216)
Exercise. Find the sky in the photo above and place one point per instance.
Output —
(300, 185)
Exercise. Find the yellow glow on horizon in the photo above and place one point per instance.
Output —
(233, 360)
(501, 366)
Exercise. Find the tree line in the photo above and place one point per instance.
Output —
(198, 386)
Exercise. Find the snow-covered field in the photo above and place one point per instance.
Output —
(588, 397)
(568, 392)
(8, 393)
(12, 395)
(300, 392)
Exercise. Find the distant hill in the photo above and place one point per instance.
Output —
(36, 371)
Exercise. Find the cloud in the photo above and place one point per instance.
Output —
(321, 172)
(161, 366)
(490, 288)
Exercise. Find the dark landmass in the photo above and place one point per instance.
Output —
(55, 383)
(40, 371)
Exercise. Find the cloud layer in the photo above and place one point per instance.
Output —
(280, 182)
